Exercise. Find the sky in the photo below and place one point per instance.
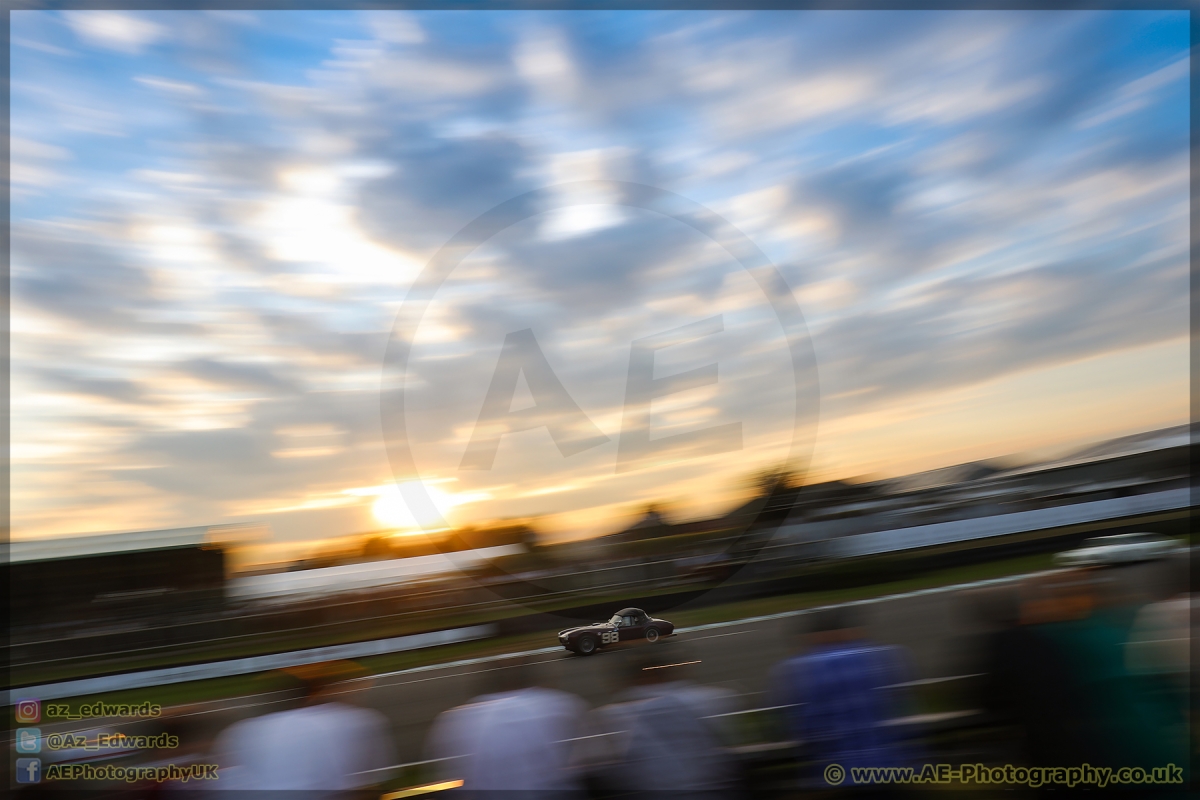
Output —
(217, 218)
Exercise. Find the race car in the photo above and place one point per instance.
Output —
(1122, 548)
(624, 626)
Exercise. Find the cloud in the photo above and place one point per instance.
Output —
(972, 329)
(954, 198)
(31, 164)
(255, 377)
(169, 86)
(119, 390)
(226, 463)
(396, 26)
(63, 270)
(542, 58)
(115, 30)
(439, 185)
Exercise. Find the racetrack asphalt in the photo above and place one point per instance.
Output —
(933, 624)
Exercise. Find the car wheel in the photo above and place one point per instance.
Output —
(587, 646)
(652, 634)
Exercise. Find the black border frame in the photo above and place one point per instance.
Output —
(598, 5)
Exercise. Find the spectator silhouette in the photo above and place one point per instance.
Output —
(662, 734)
(326, 746)
(515, 737)
(1076, 698)
(840, 696)
(989, 656)
(1159, 646)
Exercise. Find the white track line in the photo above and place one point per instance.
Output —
(719, 635)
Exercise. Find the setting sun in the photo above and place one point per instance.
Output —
(391, 509)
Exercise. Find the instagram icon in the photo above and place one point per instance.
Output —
(29, 711)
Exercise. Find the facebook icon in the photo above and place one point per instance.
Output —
(29, 770)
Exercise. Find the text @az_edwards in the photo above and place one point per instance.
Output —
(111, 741)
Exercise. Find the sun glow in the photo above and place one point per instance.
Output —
(391, 509)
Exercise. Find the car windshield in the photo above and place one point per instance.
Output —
(1120, 538)
(616, 619)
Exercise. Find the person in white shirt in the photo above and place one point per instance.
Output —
(326, 745)
(516, 737)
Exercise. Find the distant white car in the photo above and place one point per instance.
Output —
(1123, 548)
